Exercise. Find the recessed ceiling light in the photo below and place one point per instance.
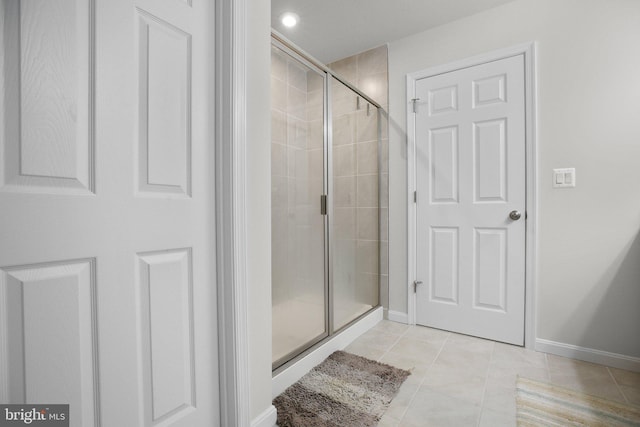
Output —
(289, 19)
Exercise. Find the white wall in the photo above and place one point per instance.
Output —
(588, 273)
(259, 202)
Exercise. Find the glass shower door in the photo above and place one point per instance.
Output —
(355, 201)
(299, 283)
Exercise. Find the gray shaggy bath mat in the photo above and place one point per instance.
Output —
(344, 390)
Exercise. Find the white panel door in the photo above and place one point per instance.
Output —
(107, 272)
(470, 176)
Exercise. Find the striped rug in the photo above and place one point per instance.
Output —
(344, 390)
(539, 404)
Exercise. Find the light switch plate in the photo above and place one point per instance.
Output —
(564, 178)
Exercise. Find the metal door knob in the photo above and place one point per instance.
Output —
(515, 215)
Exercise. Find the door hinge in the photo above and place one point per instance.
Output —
(415, 197)
(323, 204)
(414, 100)
(415, 285)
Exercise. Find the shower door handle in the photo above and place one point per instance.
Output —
(323, 204)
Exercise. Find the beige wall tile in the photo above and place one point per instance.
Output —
(315, 81)
(367, 257)
(278, 127)
(297, 76)
(368, 288)
(297, 103)
(375, 86)
(346, 68)
(301, 195)
(299, 163)
(296, 132)
(344, 129)
(344, 160)
(316, 186)
(344, 192)
(315, 134)
(279, 192)
(315, 105)
(344, 223)
(367, 220)
(344, 257)
(367, 125)
(316, 164)
(372, 61)
(278, 159)
(279, 253)
(343, 104)
(367, 154)
(278, 64)
(367, 191)
(278, 94)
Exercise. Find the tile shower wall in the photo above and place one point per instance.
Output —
(368, 72)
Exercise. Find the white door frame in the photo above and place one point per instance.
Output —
(529, 52)
(231, 239)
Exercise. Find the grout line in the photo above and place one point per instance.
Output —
(617, 385)
(546, 365)
(413, 397)
(393, 345)
(486, 380)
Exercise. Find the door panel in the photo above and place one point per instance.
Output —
(490, 287)
(35, 326)
(444, 264)
(299, 280)
(107, 274)
(444, 151)
(470, 174)
(47, 143)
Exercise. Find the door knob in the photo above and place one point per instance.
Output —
(415, 285)
(515, 215)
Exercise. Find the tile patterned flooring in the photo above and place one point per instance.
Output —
(459, 380)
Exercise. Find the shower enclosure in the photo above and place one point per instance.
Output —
(325, 202)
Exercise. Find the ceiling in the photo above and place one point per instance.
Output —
(334, 29)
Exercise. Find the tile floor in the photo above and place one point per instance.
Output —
(459, 380)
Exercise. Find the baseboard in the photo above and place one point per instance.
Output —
(397, 316)
(294, 372)
(267, 419)
(615, 360)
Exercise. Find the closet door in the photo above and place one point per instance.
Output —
(107, 266)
